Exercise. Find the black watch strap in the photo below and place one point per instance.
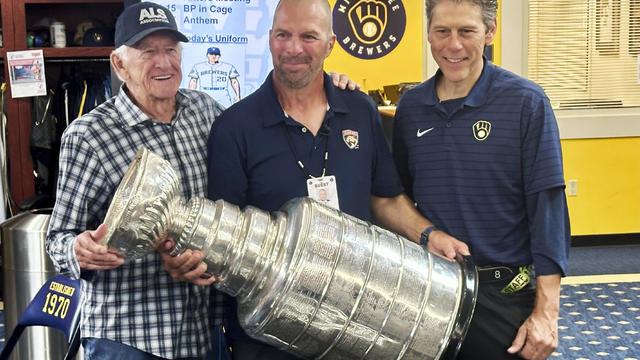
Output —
(424, 237)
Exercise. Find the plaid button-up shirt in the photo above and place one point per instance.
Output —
(138, 303)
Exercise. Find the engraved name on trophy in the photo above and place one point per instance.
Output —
(309, 279)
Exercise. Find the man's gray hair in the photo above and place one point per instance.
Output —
(488, 8)
(124, 51)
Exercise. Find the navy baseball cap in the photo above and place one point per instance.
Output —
(143, 18)
(213, 51)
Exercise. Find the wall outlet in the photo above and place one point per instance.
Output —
(572, 188)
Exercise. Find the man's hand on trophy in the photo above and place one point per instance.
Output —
(187, 266)
(447, 246)
(94, 256)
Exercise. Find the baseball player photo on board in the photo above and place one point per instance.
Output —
(227, 55)
(217, 78)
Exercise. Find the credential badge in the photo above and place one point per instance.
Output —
(481, 130)
(350, 138)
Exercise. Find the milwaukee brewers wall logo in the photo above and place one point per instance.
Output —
(369, 29)
(481, 130)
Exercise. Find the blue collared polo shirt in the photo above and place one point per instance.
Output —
(476, 165)
(254, 149)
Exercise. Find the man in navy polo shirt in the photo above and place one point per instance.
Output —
(478, 149)
(297, 135)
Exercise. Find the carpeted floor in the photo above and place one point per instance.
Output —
(599, 321)
(598, 260)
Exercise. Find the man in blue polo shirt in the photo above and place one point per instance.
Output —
(478, 150)
(297, 135)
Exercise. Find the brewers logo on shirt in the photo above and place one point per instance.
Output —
(350, 137)
(369, 29)
(481, 130)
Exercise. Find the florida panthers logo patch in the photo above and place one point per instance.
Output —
(350, 137)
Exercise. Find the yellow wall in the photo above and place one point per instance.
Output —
(403, 64)
(497, 44)
(608, 174)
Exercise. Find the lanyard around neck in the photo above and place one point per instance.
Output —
(295, 154)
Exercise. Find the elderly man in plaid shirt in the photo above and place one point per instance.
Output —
(136, 310)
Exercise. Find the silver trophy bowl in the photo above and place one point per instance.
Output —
(308, 279)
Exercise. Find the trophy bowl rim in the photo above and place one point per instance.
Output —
(114, 217)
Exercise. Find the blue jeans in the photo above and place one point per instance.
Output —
(103, 349)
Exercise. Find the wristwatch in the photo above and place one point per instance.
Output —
(424, 237)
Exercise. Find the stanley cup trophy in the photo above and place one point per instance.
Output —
(309, 279)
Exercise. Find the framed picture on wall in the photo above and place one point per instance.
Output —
(608, 26)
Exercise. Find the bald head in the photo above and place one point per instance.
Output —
(300, 39)
(318, 7)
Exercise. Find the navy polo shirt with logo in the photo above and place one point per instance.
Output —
(254, 149)
(476, 166)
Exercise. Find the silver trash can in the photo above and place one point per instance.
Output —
(26, 268)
